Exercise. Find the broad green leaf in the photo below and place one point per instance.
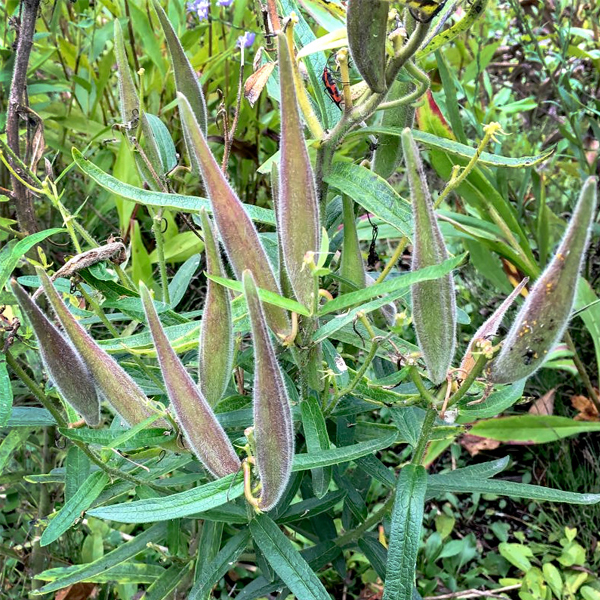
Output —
(117, 556)
(159, 199)
(517, 555)
(74, 506)
(163, 587)
(265, 295)
(186, 503)
(336, 456)
(496, 403)
(373, 193)
(6, 394)
(531, 429)
(221, 564)
(500, 487)
(405, 534)
(391, 285)
(286, 561)
(29, 416)
(317, 440)
(11, 254)
(77, 469)
(456, 148)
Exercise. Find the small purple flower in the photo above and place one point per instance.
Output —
(200, 7)
(246, 40)
(224, 2)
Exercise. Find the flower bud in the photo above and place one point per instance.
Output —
(237, 231)
(542, 320)
(366, 23)
(273, 424)
(215, 352)
(111, 380)
(298, 209)
(433, 302)
(66, 369)
(202, 431)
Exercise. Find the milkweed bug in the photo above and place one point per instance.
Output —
(331, 87)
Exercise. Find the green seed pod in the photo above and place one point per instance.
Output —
(202, 431)
(121, 391)
(433, 302)
(66, 369)
(273, 424)
(388, 154)
(298, 210)
(215, 353)
(366, 23)
(544, 316)
(235, 227)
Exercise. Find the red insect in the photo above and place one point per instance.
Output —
(331, 87)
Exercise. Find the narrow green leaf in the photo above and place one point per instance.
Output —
(6, 394)
(163, 587)
(163, 142)
(11, 254)
(113, 438)
(175, 506)
(405, 535)
(496, 403)
(286, 560)
(77, 469)
(219, 565)
(317, 439)
(29, 416)
(127, 573)
(311, 508)
(373, 193)
(117, 556)
(10, 443)
(180, 202)
(336, 456)
(180, 283)
(74, 506)
(391, 285)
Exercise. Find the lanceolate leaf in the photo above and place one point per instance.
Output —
(6, 394)
(215, 355)
(110, 379)
(407, 521)
(286, 560)
(239, 235)
(175, 506)
(298, 208)
(273, 424)
(186, 79)
(202, 431)
(79, 502)
(61, 360)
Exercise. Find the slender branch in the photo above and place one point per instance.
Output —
(469, 380)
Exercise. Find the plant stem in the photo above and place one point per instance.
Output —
(469, 380)
(420, 384)
(160, 251)
(376, 517)
(393, 259)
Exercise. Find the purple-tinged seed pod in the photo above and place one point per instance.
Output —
(203, 432)
(273, 424)
(215, 352)
(111, 380)
(544, 316)
(66, 369)
(298, 205)
(433, 302)
(235, 227)
(489, 329)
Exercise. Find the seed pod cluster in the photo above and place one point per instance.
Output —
(66, 369)
(366, 23)
(544, 316)
(433, 302)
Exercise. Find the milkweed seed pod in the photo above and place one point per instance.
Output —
(433, 302)
(237, 231)
(366, 23)
(66, 369)
(111, 380)
(273, 425)
(542, 320)
(489, 329)
(215, 351)
(203, 432)
(298, 209)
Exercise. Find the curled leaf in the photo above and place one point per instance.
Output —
(111, 380)
(202, 431)
(215, 353)
(273, 425)
(545, 313)
(433, 302)
(298, 210)
(237, 231)
(61, 360)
